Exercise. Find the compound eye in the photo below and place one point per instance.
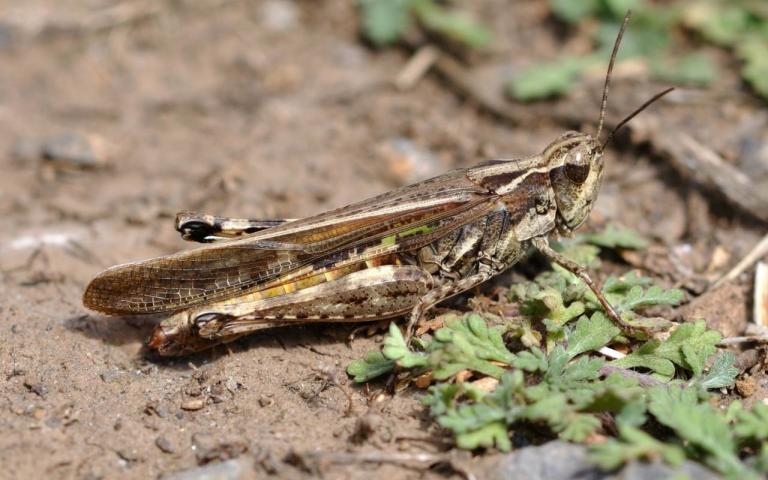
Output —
(577, 166)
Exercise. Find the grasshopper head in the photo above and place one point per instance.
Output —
(575, 159)
(575, 171)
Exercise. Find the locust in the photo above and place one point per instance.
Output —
(396, 254)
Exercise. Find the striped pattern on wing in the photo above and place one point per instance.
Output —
(226, 269)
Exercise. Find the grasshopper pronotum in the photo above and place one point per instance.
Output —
(395, 254)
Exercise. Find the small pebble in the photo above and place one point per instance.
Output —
(110, 376)
(193, 391)
(129, 454)
(38, 413)
(227, 470)
(232, 385)
(279, 15)
(746, 386)
(407, 162)
(164, 445)
(193, 404)
(75, 150)
(161, 411)
(53, 422)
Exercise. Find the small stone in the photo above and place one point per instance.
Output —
(202, 375)
(164, 445)
(53, 422)
(558, 459)
(748, 359)
(407, 162)
(161, 411)
(217, 389)
(279, 15)
(486, 384)
(209, 448)
(227, 470)
(746, 386)
(75, 150)
(110, 376)
(36, 412)
(232, 385)
(265, 401)
(424, 380)
(193, 404)
(129, 454)
(193, 390)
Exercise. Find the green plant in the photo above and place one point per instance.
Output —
(385, 22)
(558, 382)
(740, 26)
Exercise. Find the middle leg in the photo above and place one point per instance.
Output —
(443, 292)
(471, 260)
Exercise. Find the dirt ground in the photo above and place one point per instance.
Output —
(269, 109)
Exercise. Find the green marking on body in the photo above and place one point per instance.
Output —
(392, 239)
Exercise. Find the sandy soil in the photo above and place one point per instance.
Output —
(260, 109)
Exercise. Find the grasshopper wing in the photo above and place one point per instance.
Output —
(229, 268)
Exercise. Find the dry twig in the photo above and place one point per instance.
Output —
(702, 164)
(761, 294)
(758, 251)
(642, 378)
(417, 67)
(745, 339)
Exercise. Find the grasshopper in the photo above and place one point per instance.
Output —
(395, 254)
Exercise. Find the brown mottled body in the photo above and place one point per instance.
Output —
(395, 254)
(402, 251)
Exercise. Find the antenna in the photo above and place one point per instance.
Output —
(610, 72)
(634, 114)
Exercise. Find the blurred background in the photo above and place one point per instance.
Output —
(116, 115)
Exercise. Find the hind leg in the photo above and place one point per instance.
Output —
(364, 296)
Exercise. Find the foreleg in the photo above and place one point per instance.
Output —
(542, 245)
